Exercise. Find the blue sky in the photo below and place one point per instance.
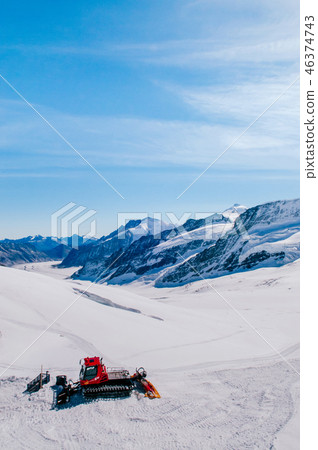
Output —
(150, 93)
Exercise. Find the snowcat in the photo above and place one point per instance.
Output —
(97, 380)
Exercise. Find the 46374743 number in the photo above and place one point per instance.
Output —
(309, 44)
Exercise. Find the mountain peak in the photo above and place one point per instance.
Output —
(234, 211)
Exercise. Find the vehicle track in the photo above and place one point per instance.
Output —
(224, 409)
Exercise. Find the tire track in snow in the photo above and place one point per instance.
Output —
(225, 409)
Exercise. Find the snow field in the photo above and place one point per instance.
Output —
(222, 385)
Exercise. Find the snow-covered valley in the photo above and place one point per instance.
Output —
(223, 354)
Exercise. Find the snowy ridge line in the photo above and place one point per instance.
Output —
(262, 236)
(149, 255)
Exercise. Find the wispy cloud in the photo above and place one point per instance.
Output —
(204, 53)
(124, 141)
(255, 60)
(270, 38)
(243, 101)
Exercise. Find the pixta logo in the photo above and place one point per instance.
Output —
(189, 226)
(71, 222)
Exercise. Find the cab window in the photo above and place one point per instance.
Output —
(90, 372)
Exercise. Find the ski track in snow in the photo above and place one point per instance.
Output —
(221, 387)
(224, 409)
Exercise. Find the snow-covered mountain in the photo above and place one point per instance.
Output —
(19, 253)
(237, 240)
(264, 236)
(59, 252)
(149, 255)
(234, 211)
(39, 242)
(37, 248)
(118, 240)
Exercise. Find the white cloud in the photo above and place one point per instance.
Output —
(107, 142)
(244, 101)
(258, 57)
(269, 37)
(191, 53)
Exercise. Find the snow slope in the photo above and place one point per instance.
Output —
(222, 385)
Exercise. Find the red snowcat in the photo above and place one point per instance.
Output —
(97, 380)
